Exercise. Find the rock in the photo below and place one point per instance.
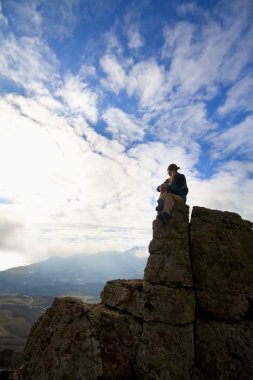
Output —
(173, 270)
(165, 352)
(73, 340)
(221, 306)
(222, 263)
(151, 302)
(118, 336)
(224, 350)
(6, 358)
(169, 260)
(63, 344)
(176, 227)
(125, 295)
(175, 306)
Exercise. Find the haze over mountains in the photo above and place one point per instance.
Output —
(80, 273)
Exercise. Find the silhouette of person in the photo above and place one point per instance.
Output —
(174, 189)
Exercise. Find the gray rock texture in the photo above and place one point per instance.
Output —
(222, 263)
(74, 340)
(151, 302)
(224, 350)
(165, 352)
(190, 318)
(169, 260)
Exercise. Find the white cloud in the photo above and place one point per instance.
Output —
(182, 124)
(200, 58)
(188, 7)
(239, 97)
(43, 18)
(67, 191)
(73, 190)
(124, 127)
(147, 80)
(24, 16)
(60, 21)
(83, 195)
(134, 37)
(195, 57)
(79, 97)
(116, 77)
(112, 44)
(43, 109)
(28, 62)
(229, 189)
(3, 19)
(237, 140)
(8, 234)
(87, 70)
(155, 157)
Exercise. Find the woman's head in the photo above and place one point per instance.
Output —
(172, 168)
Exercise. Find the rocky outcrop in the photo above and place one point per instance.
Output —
(164, 302)
(74, 340)
(222, 265)
(190, 317)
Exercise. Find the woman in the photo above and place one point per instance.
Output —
(174, 189)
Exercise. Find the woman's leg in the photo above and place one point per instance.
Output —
(160, 200)
(169, 202)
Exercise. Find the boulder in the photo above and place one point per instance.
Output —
(151, 302)
(73, 340)
(165, 352)
(224, 350)
(222, 263)
(169, 260)
(172, 270)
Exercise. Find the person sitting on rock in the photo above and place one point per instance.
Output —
(174, 189)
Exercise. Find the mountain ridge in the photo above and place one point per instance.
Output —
(72, 273)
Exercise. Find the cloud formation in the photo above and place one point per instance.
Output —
(91, 118)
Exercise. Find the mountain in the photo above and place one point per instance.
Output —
(79, 273)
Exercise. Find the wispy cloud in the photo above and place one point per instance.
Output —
(28, 61)
(124, 127)
(200, 58)
(79, 97)
(134, 37)
(3, 19)
(116, 77)
(41, 18)
(81, 144)
(239, 97)
(236, 140)
(24, 16)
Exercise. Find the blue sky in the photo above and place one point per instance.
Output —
(98, 97)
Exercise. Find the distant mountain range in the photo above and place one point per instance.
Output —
(77, 274)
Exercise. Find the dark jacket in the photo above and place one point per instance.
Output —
(178, 187)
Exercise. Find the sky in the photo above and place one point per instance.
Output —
(98, 97)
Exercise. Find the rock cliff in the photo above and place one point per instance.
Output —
(191, 317)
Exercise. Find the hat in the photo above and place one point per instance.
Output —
(173, 167)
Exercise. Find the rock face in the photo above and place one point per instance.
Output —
(222, 263)
(81, 341)
(191, 317)
(221, 246)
